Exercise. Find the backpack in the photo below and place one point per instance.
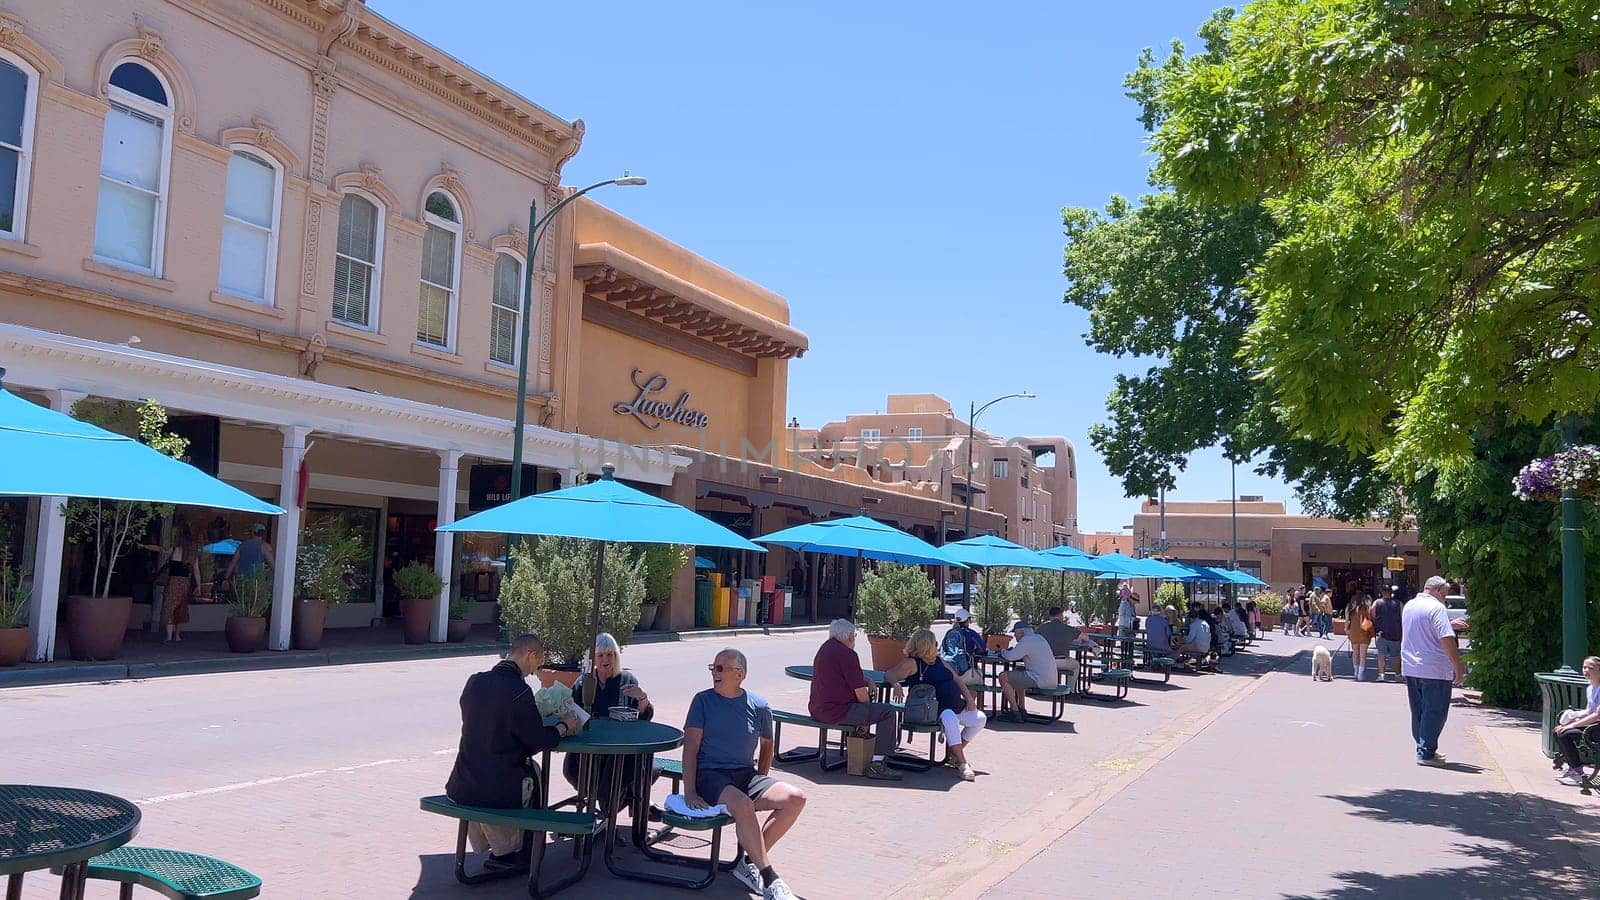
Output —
(922, 703)
(954, 651)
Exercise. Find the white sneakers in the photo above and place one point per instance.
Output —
(777, 890)
(748, 875)
(1572, 777)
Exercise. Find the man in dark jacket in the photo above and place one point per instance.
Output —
(500, 729)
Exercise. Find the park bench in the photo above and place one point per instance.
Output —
(713, 863)
(935, 733)
(672, 770)
(1198, 661)
(1056, 696)
(173, 873)
(1159, 662)
(781, 718)
(581, 826)
(1118, 678)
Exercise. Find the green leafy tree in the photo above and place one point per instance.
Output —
(113, 527)
(998, 598)
(895, 600)
(551, 593)
(1435, 164)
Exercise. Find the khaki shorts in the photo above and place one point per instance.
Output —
(1021, 679)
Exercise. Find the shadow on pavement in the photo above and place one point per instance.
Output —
(1514, 852)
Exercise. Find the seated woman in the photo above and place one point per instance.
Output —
(958, 708)
(1574, 721)
(609, 685)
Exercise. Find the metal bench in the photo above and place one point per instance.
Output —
(1119, 679)
(781, 718)
(1161, 662)
(173, 873)
(672, 770)
(1057, 696)
(713, 864)
(535, 823)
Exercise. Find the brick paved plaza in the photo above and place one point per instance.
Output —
(1256, 782)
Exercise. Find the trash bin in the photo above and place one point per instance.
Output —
(702, 603)
(1559, 691)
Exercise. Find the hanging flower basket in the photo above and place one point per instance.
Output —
(1544, 479)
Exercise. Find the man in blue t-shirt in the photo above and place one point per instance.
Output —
(727, 727)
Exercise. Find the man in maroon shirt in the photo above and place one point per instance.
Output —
(839, 693)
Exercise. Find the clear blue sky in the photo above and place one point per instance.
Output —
(895, 170)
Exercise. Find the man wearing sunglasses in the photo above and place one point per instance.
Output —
(726, 728)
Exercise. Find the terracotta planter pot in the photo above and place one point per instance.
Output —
(245, 634)
(1338, 626)
(647, 616)
(13, 645)
(886, 651)
(998, 641)
(456, 631)
(95, 626)
(309, 617)
(547, 677)
(1269, 620)
(418, 614)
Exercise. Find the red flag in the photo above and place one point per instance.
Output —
(305, 480)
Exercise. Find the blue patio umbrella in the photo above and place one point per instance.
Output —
(1071, 559)
(863, 538)
(989, 552)
(603, 510)
(1318, 582)
(700, 562)
(51, 454)
(1114, 564)
(224, 547)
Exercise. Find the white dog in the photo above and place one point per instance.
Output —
(1321, 664)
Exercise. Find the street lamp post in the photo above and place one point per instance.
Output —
(966, 523)
(1574, 616)
(536, 227)
(1233, 550)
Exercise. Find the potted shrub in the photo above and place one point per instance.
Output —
(996, 599)
(1271, 606)
(661, 565)
(550, 592)
(330, 552)
(246, 628)
(419, 588)
(893, 602)
(97, 621)
(458, 627)
(14, 593)
(1169, 594)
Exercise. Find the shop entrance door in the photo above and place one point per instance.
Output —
(407, 539)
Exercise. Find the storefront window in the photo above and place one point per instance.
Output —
(481, 565)
(358, 520)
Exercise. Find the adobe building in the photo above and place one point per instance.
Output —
(1281, 549)
(917, 440)
(301, 229)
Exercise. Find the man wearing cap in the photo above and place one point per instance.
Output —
(963, 644)
(1038, 669)
(251, 554)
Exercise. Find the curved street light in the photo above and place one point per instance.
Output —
(536, 229)
(966, 525)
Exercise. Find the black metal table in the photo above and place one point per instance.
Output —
(44, 827)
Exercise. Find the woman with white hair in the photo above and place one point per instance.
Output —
(609, 685)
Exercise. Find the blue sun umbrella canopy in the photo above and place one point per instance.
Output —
(603, 510)
(1071, 559)
(50, 454)
(1119, 564)
(989, 552)
(862, 537)
(700, 562)
(224, 547)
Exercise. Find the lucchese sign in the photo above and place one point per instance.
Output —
(651, 413)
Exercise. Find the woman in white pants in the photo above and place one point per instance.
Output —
(958, 708)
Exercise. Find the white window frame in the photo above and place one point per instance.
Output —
(30, 105)
(271, 285)
(1001, 469)
(453, 308)
(374, 300)
(871, 434)
(521, 310)
(166, 114)
(914, 433)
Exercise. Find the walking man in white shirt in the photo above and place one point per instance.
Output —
(1432, 661)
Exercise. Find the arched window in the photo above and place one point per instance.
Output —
(356, 267)
(441, 268)
(19, 89)
(250, 226)
(134, 158)
(505, 313)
